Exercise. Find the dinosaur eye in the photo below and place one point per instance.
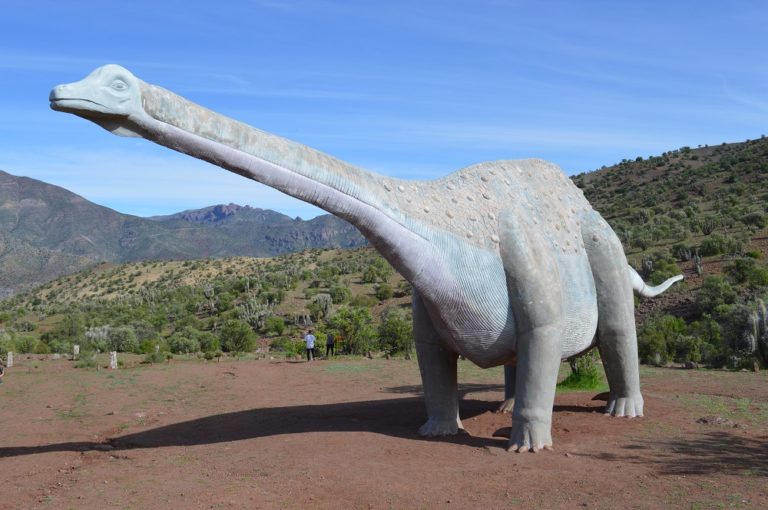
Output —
(119, 85)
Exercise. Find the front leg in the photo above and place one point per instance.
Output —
(438, 376)
(538, 362)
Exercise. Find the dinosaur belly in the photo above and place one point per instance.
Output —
(579, 307)
(478, 322)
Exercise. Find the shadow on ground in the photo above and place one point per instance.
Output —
(399, 417)
(713, 452)
(464, 389)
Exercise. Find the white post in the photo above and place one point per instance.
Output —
(9, 360)
(75, 351)
(113, 359)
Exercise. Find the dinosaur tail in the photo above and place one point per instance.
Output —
(644, 290)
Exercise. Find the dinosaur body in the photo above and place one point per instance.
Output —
(509, 262)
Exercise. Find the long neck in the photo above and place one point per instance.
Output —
(274, 151)
(299, 171)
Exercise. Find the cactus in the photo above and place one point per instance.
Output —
(647, 267)
(699, 266)
(302, 319)
(684, 254)
(254, 313)
(321, 305)
(758, 331)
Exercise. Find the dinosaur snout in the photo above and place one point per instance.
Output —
(58, 92)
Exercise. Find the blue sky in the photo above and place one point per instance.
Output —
(414, 89)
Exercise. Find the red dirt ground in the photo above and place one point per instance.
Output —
(342, 434)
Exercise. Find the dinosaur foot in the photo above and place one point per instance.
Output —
(528, 436)
(625, 406)
(434, 427)
(506, 406)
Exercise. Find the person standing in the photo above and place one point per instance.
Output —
(309, 338)
(329, 345)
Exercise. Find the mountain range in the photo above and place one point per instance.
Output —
(47, 231)
(659, 202)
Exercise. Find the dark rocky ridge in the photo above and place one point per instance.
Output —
(47, 231)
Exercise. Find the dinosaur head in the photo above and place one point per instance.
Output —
(108, 96)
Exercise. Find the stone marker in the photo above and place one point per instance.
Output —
(9, 360)
(75, 351)
(113, 359)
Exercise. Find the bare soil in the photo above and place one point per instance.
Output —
(342, 434)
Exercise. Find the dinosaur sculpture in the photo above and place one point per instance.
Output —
(509, 263)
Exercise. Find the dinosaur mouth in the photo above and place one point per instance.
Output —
(77, 105)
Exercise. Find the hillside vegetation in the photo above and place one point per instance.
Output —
(47, 231)
(702, 212)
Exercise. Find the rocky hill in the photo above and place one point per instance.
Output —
(47, 231)
(703, 212)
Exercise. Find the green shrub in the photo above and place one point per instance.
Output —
(237, 336)
(60, 345)
(363, 301)
(663, 269)
(290, 347)
(355, 329)
(208, 341)
(123, 339)
(25, 343)
(710, 333)
(340, 294)
(657, 338)
(718, 244)
(686, 348)
(396, 331)
(148, 345)
(87, 359)
(715, 291)
(746, 270)
(41, 348)
(155, 357)
(383, 291)
(6, 343)
(755, 219)
(183, 342)
(585, 373)
(274, 325)
(144, 331)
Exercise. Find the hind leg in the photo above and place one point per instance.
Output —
(533, 279)
(510, 373)
(617, 338)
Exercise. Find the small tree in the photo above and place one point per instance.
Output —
(340, 294)
(184, 341)
(354, 326)
(383, 291)
(123, 339)
(274, 325)
(396, 331)
(585, 372)
(237, 336)
(714, 292)
(657, 338)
